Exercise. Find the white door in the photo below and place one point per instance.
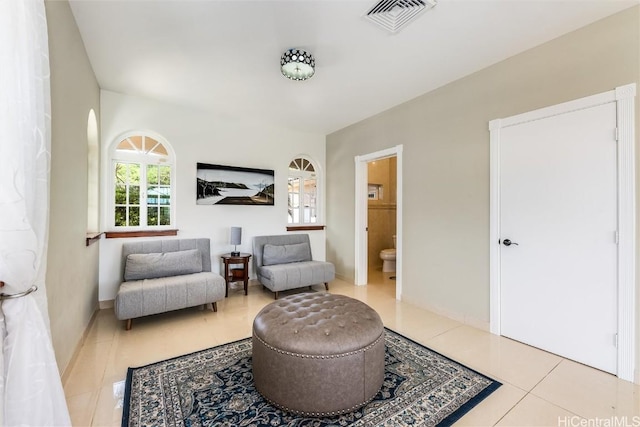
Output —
(558, 208)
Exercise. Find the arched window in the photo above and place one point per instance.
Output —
(142, 182)
(303, 192)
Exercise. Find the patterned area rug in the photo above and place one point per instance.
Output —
(214, 387)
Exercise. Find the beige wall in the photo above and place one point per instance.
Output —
(446, 158)
(72, 270)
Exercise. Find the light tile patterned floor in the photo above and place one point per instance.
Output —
(539, 388)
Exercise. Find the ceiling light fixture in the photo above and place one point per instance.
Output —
(297, 64)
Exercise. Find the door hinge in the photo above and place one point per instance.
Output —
(617, 134)
(615, 340)
(616, 237)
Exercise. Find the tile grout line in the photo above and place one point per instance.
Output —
(546, 375)
(512, 408)
(562, 359)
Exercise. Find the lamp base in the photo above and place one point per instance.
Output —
(235, 253)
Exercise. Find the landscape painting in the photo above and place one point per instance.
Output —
(232, 185)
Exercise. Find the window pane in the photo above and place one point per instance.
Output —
(152, 196)
(165, 175)
(310, 200)
(294, 185)
(152, 215)
(121, 194)
(293, 214)
(152, 200)
(136, 141)
(121, 216)
(121, 173)
(310, 186)
(134, 215)
(149, 143)
(160, 150)
(165, 215)
(134, 195)
(165, 196)
(134, 173)
(152, 174)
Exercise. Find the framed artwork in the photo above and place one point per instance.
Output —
(233, 185)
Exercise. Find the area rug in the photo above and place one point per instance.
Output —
(214, 387)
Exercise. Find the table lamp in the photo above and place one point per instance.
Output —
(235, 239)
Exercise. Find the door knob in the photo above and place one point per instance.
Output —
(508, 242)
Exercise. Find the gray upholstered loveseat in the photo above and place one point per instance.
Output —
(164, 275)
(284, 262)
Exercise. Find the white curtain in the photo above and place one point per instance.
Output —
(31, 393)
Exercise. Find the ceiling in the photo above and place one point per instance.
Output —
(223, 56)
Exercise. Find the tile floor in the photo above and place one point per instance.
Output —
(539, 388)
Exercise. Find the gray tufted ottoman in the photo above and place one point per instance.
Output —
(318, 354)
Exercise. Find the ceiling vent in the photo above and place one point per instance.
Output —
(393, 15)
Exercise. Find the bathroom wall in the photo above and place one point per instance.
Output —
(382, 210)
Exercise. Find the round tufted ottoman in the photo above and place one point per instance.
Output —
(318, 354)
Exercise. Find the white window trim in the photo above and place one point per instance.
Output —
(144, 159)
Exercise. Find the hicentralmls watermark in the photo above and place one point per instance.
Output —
(619, 421)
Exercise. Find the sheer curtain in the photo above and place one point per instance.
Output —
(30, 390)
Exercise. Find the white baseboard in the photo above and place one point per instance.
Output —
(106, 304)
(344, 278)
(459, 317)
(67, 369)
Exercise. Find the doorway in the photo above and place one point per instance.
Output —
(561, 230)
(381, 223)
(362, 194)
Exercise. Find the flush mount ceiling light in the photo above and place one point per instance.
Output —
(393, 15)
(297, 64)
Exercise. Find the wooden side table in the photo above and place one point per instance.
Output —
(236, 274)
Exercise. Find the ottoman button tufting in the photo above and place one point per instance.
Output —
(324, 370)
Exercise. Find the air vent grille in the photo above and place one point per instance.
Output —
(393, 15)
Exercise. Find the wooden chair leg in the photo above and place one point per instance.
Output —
(214, 305)
(275, 295)
(128, 325)
(326, 286)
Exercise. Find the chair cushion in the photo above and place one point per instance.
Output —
(285, 254)
(166, 264)
(138, 298)
(293, 275)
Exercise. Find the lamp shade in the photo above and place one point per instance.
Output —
(235, 237)
(297, 64)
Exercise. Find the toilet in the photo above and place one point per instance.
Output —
(388, 257)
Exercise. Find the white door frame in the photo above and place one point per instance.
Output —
(624, 97)
(361, 252)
